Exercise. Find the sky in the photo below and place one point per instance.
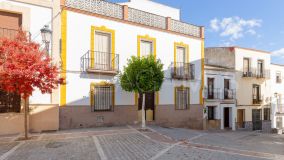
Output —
(257, 24)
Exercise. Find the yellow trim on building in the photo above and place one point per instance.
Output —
(103, 83)
(202, 74)
(102, 29)
(146, 38)
(183, 45)
(63, 56)
(182, 88)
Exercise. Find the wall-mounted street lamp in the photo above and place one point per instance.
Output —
(46, 36)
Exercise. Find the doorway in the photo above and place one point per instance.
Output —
(256, 119)
(149, 105)
(227, 117)
(241, 118)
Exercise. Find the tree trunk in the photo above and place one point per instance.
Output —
(143, 112)
(26, 108)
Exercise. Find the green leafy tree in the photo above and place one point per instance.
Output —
(142, 75)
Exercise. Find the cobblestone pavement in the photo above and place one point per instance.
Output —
(129, 143)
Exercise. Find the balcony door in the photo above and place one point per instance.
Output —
(227, 91)
(102, 53)
(260, 67)
(256, 94)
(180, 61)
(146, 48)
(246, 66)
(210, 88)
(9, 24)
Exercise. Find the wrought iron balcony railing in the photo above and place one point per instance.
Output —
(256, 73)
(212, 93)
(217, 93)
(12, 33)
(100, 62)
(118, 11)
(278, 80)
(229, 94)
(182, 70)
(257, 99)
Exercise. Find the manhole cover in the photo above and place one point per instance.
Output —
(55, 144)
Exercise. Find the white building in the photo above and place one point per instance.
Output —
(98, 37)
(277, 91)
(219, 96)
(253, 87)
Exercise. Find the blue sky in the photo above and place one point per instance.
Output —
(248, 23)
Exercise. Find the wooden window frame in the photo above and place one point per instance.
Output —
(188, 97)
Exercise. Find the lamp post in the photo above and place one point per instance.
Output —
(46, 36)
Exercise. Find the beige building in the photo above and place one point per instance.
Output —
(253, 85)
(31, 16)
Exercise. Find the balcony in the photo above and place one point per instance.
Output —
(100, 62)
(182, 71)
(12, 33)
(257, 99)
(135, 16)
(212, 94)
(278, 80)
(229, 94)
(220, 94)
(256, 73)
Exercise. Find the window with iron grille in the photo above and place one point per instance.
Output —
(102, 97)
(211, 112)
(181, 98)
(266, 114)
(9, 102)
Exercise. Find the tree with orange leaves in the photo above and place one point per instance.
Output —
(24, 67)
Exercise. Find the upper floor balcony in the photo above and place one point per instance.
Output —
(257, 99)
(100, 62)
(180, 70)
(135, 16)
(12, 33)
(280, 109)
(219, 94)
(256, 73)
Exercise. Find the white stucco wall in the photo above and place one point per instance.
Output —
(155, 8)
(78, 43)
(277, 87)
(244, 85)
(35, 18)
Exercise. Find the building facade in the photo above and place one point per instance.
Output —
(30, 16)
(219, 96)
(253, 87)
(98, 37)
(277, 91)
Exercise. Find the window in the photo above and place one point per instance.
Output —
(246, 66)
(182, 98)
(278, 77)
(211, 112)
(210, 88)
(102, 97)
(181, 57)
(266, 114)
(227, 92)
(102, 53)
(257, 99)
(146, 48)
(9, 102)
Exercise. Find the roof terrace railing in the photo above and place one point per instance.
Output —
(124, 12)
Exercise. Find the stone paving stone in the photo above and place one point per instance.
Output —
(176, 133)
(186, 153)
(250, 141)
(68, 149)
(132, 146)
(5, 147)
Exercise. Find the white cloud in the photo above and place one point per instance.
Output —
(278, 53)
(235, 27)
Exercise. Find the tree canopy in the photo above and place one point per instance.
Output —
(24, 67)
(142, 74)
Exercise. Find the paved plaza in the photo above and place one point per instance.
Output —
(156, 143)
